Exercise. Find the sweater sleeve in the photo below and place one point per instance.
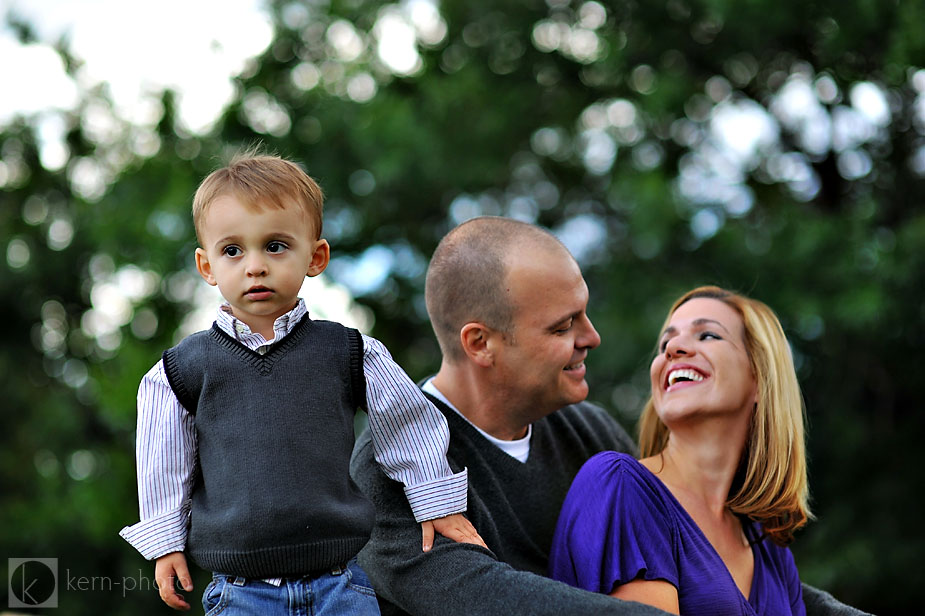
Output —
(456, 579)
(613, 529)
(821, 603)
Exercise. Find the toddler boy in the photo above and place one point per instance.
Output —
(245, 430)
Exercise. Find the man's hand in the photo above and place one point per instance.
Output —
(455, 527)
(167, 570)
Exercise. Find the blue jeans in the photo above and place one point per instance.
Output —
(341, 592)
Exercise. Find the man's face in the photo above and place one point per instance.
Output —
(542, 365)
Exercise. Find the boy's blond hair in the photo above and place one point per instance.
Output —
(260, 181)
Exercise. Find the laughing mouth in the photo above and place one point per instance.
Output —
(684, 375)
(575, 366)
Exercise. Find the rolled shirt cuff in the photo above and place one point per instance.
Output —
(158, 536)
(439, 498)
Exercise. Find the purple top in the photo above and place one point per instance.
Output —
(619, 523)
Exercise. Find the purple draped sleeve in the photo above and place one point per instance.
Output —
(613, 528)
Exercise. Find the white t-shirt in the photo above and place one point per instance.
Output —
(518, 449)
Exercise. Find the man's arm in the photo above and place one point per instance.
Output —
(456, 578)
(821, 603)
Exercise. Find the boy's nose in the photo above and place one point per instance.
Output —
(256, 267)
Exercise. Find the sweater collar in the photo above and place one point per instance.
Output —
(518, 449)
(240, 331)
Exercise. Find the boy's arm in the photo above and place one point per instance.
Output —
(410, 437)
(165, 451)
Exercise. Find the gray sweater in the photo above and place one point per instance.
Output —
(514, 506)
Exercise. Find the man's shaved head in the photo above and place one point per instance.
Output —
(467, 273)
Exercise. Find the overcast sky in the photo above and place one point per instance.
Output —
(137, 48)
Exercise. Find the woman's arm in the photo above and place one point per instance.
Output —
(657, 593)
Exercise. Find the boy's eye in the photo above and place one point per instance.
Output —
(276, 247)
(231, 251)
(565, 327)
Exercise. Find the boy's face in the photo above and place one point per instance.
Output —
(259, 258)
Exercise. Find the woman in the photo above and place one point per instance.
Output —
(699, 525)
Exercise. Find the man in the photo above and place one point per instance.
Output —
(508, 306)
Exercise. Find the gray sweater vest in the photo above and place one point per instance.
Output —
(272, 494)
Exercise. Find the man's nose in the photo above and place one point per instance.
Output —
(588, 337)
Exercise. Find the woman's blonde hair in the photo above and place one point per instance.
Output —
(771, 486)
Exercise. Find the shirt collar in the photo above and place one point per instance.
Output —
(240, 331)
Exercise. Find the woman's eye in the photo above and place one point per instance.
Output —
(705, 335)
(231, 251)
(276, 247)
(663, 345)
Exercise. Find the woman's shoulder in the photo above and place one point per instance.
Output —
(620, 478)
(614, 525)
(614, 464)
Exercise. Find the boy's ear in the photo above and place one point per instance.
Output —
(204, 267)
(478, 344)
(320, 258)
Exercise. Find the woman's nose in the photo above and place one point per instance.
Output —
(676, 346)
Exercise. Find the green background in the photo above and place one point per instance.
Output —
(602, 122)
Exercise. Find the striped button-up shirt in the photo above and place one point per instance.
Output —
(410, 437)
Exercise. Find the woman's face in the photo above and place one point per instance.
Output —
(702, 367)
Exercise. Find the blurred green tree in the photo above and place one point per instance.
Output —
(777, 148)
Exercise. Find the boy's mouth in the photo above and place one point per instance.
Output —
(258, 293)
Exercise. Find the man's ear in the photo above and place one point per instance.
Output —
(476, 341)
(204, 267)
(320, 258)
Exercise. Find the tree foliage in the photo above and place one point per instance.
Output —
(777, 148)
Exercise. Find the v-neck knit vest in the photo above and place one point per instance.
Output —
(272, 494)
